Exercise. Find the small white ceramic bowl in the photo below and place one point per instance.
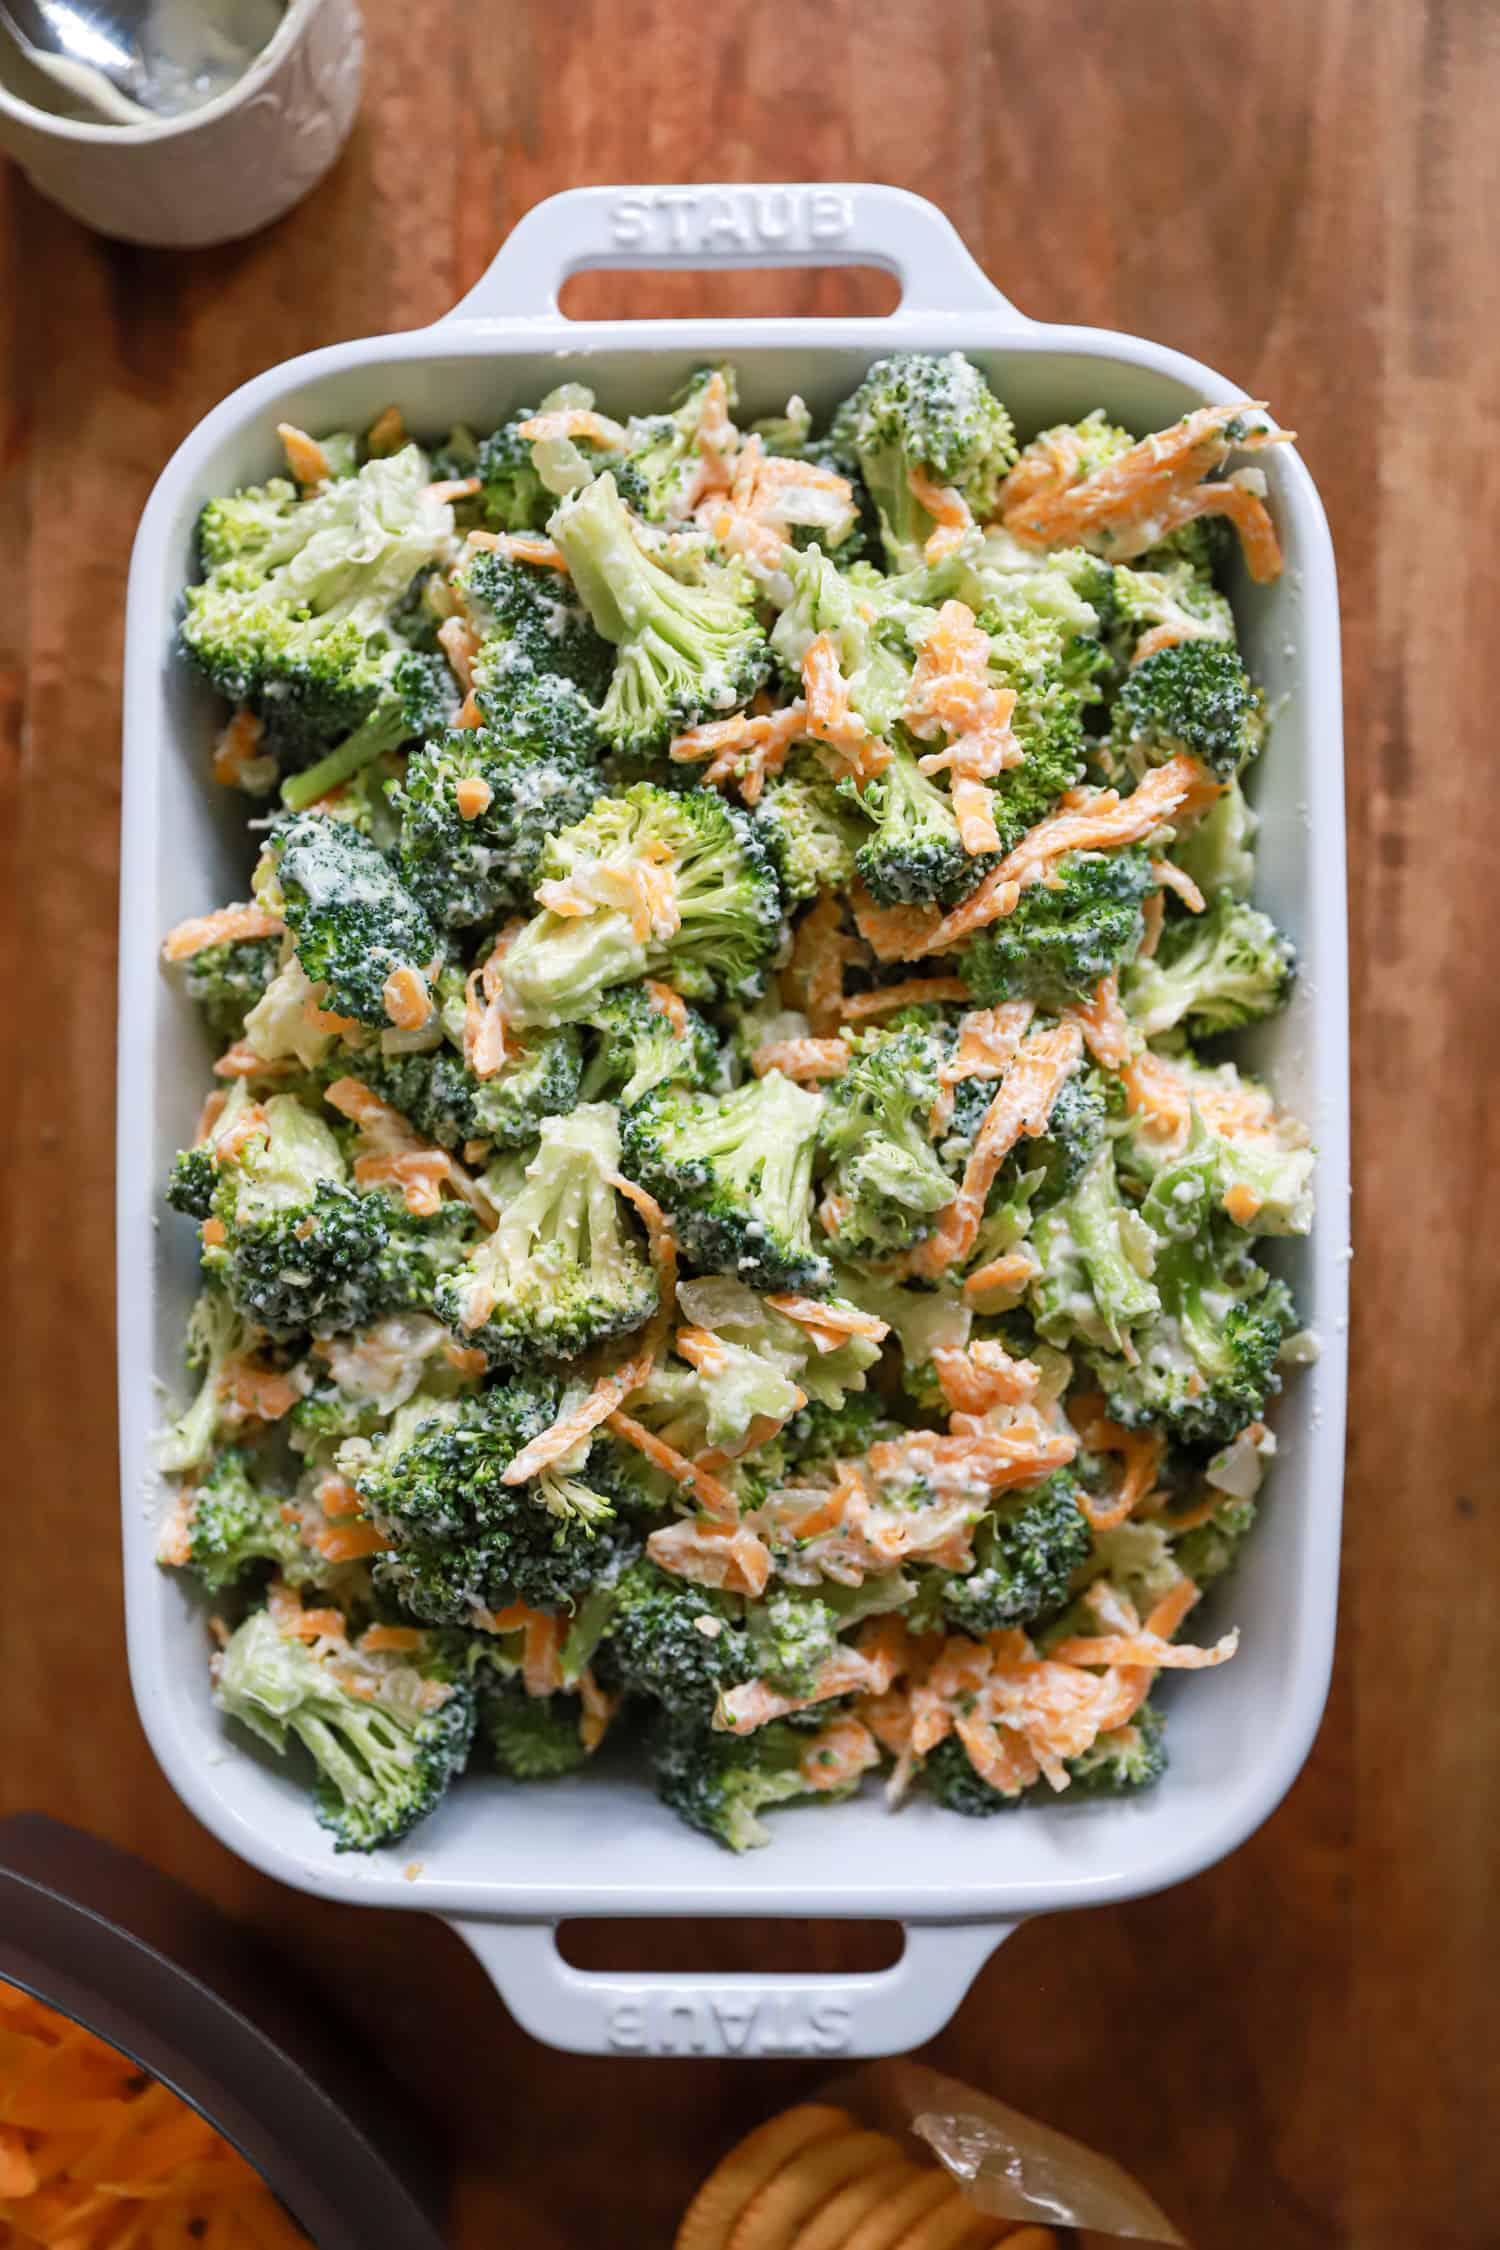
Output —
(219, 172)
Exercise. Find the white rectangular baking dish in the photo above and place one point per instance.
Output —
(504, 1865)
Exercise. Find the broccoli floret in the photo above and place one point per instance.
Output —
(660, 474)
(916, 853)
(216, 1334)
(887, 1185)
(951, 1782)
(932, 415)
(813, 829)
(1126, 1759)
(296, 615)
(193, 1181)
(419, 698)
(876, 629)
(531, 1738)
(791, 1635)
(541, 667)
(462, 1537)
(1075, 1132)
(642, 1044)
(297, 1247)
(818, 1435)
(1026, 1550)
(353, 921)
(512, 496)
(231, 1524)
(1064, 934)
(735, 1171)
(1261, 1160)
(1096, 1257)
(1212, 972)
(684, 653)
(564, 1266)
(539, 1078)
(675, 886)
(1195, 696)
(1177, 597)
(465, 866)
(721, 1783)
(226, 980)
(387, 1734)
(676, 1642)
(1207, 1362)
(736, 1316)
(422, 1248)
(1212, 1549)
(1218, 851)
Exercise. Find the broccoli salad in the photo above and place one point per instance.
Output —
(727, 1222)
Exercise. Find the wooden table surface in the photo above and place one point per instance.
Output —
(1298, 2048)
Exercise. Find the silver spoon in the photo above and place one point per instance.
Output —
(124, 59)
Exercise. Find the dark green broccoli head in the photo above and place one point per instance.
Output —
(541, 667)
(470, 866)
(386, 1733)
(420, 697)
(296, 614)
(421, 1249)
(1064, 934)
(531, 1738)
(447, 1103)
(1076, 1129)
(461, 1537)
(353, 921)
(1026, 1550)
(886, 1185)
(934, 415)
(1194, 697)
(676, 1642)
(950, 1780)
(565, 1265)
(735, 1172)
(225, 981)
(193, 1181)
(819, 1434)
(1212, 972)
(641, 1045)
(685, 652)
(1208, 1362)
(721, 1783)
(916, 854)
(699, 906)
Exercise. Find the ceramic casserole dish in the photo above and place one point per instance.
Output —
(503, 1864)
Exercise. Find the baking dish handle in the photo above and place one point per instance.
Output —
(834, 224)
(612, 2012)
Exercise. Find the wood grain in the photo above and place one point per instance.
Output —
(1298, 2048)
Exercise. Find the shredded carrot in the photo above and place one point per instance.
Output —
(387, 433)
(541, 1655)
(713, 1497)
(350, 1542)
(242, 1061)
(337, 1496)
(213, 1232)
(305, 458)
(256, 1390)
(1153, 914)
(454, 488)
(830, 717)
(744, 749)
(802, 1058)
(521, 547)
(225, 926)
(94, 2155)
(473, 796)
(237, 759)
(1171, 877)
(1140, 1452)
(574, 422)
(1044, 1061)
(983, 1376)
(1005, 1276)
(912, 992)
(840, 1320)
(486, 1046)
(821, 952)
(408, 1002)
(460, 645)
(469, 714)
(729, 1556)
(598, 1710)
(948, 510)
